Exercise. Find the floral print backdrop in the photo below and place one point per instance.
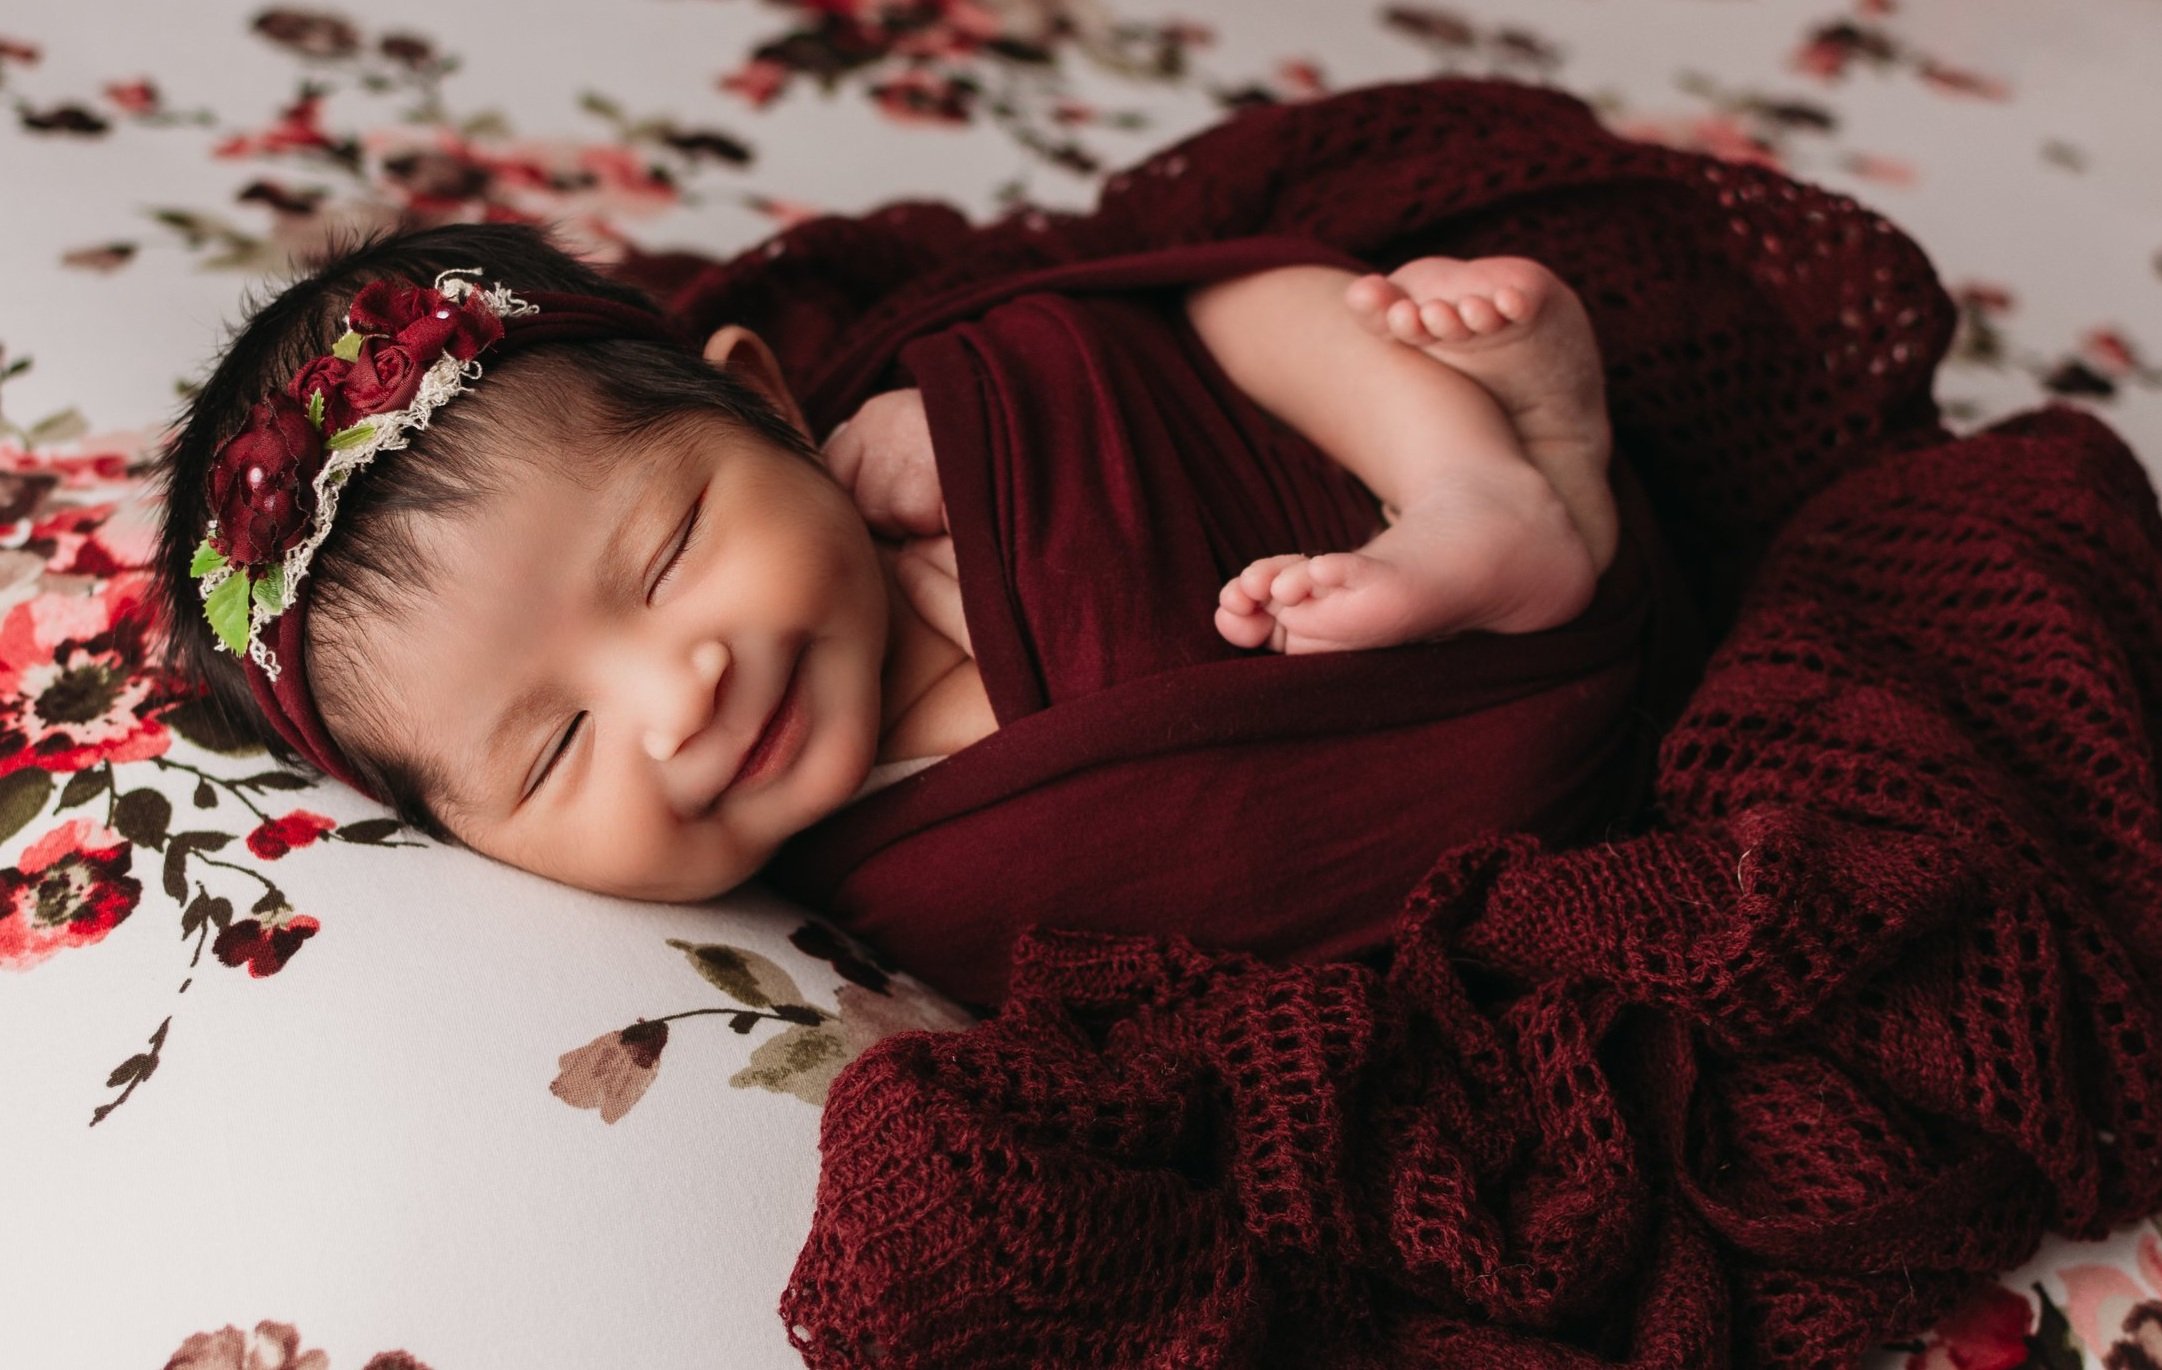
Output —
(206, 958)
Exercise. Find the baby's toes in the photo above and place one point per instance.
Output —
(1256, 579)
(1293, 584)
(1333, 571)
(1443, 322)
(1406, 325)
(1480, 314)
(1514, 304)
(1244, 630)
(1369, 298)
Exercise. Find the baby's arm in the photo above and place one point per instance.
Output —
(1482, 539)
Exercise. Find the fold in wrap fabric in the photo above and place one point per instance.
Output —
(1865, 1002)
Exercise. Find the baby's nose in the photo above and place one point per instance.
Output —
(709, 660)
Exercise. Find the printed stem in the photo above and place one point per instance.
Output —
(200, 774)
(210, 860)
(731, 1012)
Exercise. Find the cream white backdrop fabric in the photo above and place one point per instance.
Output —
(378, 1114)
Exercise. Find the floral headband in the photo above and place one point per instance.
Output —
(274, 485)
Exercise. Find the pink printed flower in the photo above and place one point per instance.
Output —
(133, 97)
(1987, 1332)
(1720, 135)
(2110, 352)
(299, 129)
(1964, 82)
(274, 837)
(271, 1346)
(611, 1072)
(105, 461)
(73, 692)
(1890, 171)
(68, 889)
(761, 81)
(1983, 297)
(868, 1015)
(13, 51)
(1300, 80)
(921, 96)
(2105, 1305)
(263, 947)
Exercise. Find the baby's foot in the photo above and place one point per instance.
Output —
(1519, 330)
(1457, 560)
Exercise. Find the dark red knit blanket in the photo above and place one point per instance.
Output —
(1864, 1003)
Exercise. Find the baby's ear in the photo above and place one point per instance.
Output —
(742, 353)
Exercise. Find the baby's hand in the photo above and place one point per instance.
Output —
(882, 457)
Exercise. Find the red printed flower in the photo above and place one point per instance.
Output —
(68, 889)
(264, 948)
(423, 321)
(73, 688)
(1987, 1332)
(262, 486)
(274, 837)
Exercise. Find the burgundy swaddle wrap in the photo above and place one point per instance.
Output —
(1103, 479)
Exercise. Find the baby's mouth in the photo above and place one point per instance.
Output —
(781, 733)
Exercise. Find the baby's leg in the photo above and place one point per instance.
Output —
(1520, 331)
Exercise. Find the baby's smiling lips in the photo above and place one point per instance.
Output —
(773, 713)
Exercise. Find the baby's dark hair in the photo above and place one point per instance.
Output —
(616, 391)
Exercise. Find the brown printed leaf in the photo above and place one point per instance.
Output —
(744, 976)
(22, 797)
(82, 787)
(142, 816)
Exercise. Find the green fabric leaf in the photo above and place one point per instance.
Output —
(270, 590)
(347, 347)
(207, 559)
(315, 407)
(227, 610)
(351, 437)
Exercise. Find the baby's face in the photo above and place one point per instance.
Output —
(598, 665)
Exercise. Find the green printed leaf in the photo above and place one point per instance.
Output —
(801, 1061)
(347, 347)
(207, 559)
(22, 797)
(272, 901)
(227, 610)
(351, 437)
(370, 830)
(65, 426)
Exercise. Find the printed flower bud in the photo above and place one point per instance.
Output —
(262, 485)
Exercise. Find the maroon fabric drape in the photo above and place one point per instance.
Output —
(1865, 999)
(1103, 479)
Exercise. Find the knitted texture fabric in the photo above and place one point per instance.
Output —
(1863, 1002)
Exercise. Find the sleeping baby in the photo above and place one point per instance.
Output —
(469, 526)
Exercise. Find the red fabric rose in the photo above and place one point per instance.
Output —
(262, 485)
(325, 374)
(384, 377)
(274, 837)
(263, 950)
(424, 321)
